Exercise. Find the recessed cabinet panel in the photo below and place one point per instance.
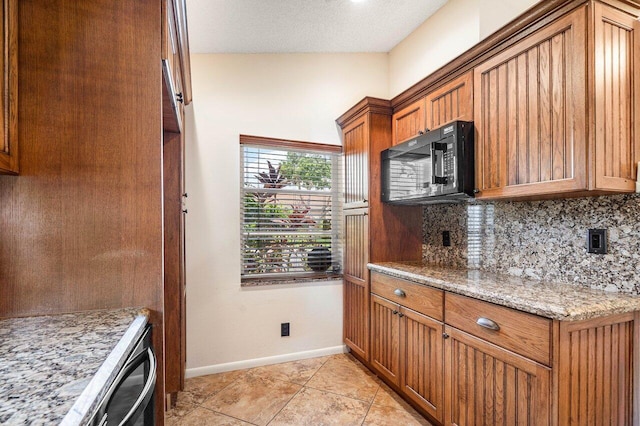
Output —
(421, 366)
(409, 122)
(616, 138)
(356, 316)
(385, 338)
(530, 114)
(356, 244)
(491, 386)
(453, 101)
(597, 386)
(356, 162)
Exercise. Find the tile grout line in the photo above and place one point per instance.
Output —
(370, 405)
(285, 405)
(227, 415)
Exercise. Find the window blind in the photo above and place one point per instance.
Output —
(291, 203)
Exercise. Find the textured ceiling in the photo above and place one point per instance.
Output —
(309, 26)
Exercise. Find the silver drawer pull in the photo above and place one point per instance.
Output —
(488, 323)
(399, 292)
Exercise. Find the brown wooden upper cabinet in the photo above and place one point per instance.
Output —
(355, 143)
(9, 89)
(451, 101)
(176, 92)
(555, 116)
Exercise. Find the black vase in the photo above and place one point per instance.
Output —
(319, 259)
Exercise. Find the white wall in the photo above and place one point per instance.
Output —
(496, 13)
(454, 28)
(446, 34)
(293, 96)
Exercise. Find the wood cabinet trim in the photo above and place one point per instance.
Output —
(366, 105)
(287, 143)
(9, 147)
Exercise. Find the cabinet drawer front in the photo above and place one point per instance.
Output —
(426, 300)
(523, 333)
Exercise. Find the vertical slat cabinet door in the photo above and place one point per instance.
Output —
(452, 101)
(488, 385)
(530, 114)
(597, 371)
(408, 122)
(9, 89)
(616, 98)
(356, 281)
(355, 140)
(421, 361)
(385, 338)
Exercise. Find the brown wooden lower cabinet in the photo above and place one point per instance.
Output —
(356, 316)
(406, 349)
(486, 384)
(467, 374)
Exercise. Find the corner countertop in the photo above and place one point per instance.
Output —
(553, 300)
(55, 369)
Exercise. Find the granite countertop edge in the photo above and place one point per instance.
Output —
(558, 301)
(92, 395)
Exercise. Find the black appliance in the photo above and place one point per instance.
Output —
(129, 400)
(436, 167)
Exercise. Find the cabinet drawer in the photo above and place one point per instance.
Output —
(523, 333)
(426, 300)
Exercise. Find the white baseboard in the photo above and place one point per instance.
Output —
(258, 362)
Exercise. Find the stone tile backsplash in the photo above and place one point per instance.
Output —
(541, 239)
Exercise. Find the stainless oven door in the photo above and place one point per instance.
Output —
(129, 400)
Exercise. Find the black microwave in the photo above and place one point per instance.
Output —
(436, 167)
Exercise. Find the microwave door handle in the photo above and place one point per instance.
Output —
(435, 179)
(147, 392)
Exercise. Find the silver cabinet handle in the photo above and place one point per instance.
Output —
(399, 292)
(488, 323)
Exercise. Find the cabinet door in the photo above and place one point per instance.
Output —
(385, 338)
(530, 116)
(452, 101)
(355, 139)
(421, 361)
(488, 385)
(172, 96)
(597, 370)
(356, 281)
(617, 138)
(9, 86)
(408, 122)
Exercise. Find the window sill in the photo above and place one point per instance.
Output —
(259, 282)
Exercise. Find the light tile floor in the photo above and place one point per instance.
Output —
(333, 390)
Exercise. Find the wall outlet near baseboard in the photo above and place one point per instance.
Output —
(284, 329)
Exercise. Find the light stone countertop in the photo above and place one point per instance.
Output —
(56, 369)
(548, 299)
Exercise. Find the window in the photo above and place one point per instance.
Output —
(291, 205)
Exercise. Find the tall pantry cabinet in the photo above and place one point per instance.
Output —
(176, 93)
(374, 232)
(85, 224)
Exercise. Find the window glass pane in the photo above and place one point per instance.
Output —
(291, 212)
